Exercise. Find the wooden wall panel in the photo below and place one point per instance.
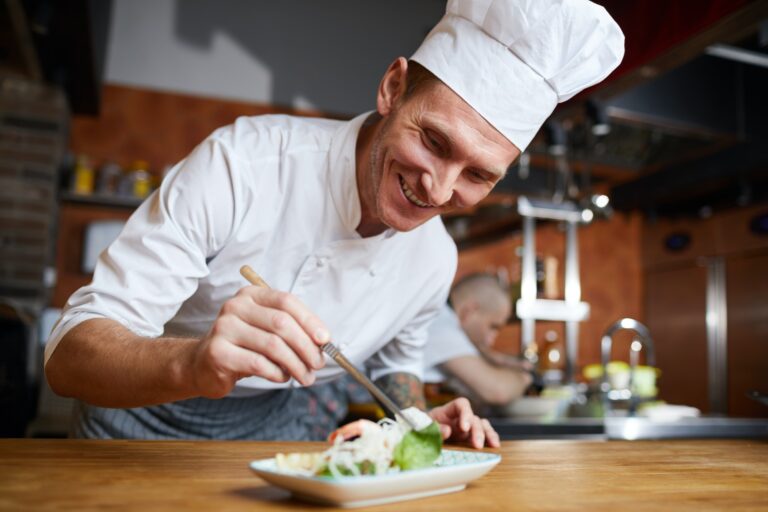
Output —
(701, 233)
(159, 127)
(735, 230)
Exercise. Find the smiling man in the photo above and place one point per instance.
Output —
(425, 152)
(341, 218)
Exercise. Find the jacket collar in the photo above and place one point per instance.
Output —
(343, 177)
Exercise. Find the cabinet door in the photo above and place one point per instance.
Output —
(747, 296)
(676, 316)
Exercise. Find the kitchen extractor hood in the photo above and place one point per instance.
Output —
(686, 126)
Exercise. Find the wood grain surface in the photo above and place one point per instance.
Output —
(533, 475)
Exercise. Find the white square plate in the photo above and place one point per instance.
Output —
(451, 472)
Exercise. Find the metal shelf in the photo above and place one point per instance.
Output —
(530, 308)
(555, 310)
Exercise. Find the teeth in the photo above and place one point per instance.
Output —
(410, 195)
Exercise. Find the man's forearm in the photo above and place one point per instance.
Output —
(501, 359)
(101, 362)
(491, 384)
(405, 389)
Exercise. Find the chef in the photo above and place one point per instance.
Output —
(340, 218)
(459, 352)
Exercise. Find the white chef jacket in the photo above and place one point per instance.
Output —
(278, 193)
(446, 340)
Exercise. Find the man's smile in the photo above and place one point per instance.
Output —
(409, 194)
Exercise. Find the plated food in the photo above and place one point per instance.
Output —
(367, 448)
(375, 463)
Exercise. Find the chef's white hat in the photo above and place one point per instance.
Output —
(513, 61)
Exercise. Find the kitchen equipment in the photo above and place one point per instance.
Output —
(334, 353)
(536, 407)
(98, 236)
(667, 412)
(706, 294)
(529, 308)
(643, 340)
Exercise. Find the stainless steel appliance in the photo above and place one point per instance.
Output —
(706, 297)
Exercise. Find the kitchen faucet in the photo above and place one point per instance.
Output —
(642, 340)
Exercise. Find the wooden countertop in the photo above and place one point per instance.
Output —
(38, 474)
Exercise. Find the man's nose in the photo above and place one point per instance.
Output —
(439, 186)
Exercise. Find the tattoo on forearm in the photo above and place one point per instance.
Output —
(404, 389)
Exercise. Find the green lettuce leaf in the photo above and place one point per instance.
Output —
(419, 449)
(365, 468)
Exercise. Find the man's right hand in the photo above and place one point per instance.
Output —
(259, 332)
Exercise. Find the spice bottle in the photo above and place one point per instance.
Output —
(140, 178)
(83, 176)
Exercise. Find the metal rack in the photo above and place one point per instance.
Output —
(34, 121)
(529, 308)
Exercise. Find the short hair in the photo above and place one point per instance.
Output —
(416, 78)
(483, 288)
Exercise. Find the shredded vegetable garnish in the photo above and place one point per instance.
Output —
(368, 448)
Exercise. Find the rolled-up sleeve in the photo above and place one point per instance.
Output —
(154, 265)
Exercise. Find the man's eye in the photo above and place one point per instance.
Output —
(477, 176)
(432, 142)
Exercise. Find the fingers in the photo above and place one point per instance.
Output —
(278, 326)
(283, 301)
(482, 433)
(459, 422)
(491, 436)
(219, 364)
(256, 364)
(265, 333)
(464, 412)
(282, 350)
(279, 323)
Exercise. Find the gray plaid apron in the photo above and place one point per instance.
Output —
(290, 414)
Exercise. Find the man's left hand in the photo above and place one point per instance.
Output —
(459, 423)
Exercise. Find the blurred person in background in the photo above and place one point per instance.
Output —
(459, 353)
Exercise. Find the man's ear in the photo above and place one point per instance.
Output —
(465, 310)
(392, 86)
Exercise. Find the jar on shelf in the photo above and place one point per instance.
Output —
(83, 177)
(141, 180)
(551, 282)
(108, 179)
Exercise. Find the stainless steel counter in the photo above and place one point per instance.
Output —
(632, 428)
(687, 428)
(565, 428)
